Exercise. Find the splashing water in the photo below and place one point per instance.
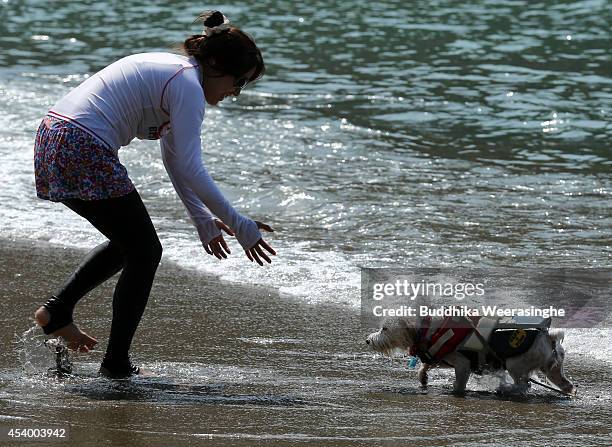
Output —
(34, 356)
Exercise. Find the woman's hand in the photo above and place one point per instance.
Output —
(217, 246)
(255, 252)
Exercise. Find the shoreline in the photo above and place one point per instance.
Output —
(241, 365)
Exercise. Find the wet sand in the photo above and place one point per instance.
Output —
(239, 365)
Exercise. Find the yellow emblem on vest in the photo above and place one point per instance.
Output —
(517, 338)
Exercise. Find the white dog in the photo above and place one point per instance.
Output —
(545, 354)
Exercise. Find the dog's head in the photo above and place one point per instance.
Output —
(396, 333)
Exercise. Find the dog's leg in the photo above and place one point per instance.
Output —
(520, 367)
(423, 375)
(519, 370)
(462, 371)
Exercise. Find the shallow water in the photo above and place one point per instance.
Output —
(245, 366)
(383, 134)
(356, 401)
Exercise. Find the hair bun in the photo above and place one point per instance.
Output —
(210, 19)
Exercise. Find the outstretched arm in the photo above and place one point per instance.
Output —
(182, 158)
(186, 167)
(200, 215)
(208, 226)
(202, 218)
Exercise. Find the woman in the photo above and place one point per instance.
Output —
(149, 96)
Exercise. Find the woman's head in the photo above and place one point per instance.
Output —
(228, 57)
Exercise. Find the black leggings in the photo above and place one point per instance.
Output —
(134, 248)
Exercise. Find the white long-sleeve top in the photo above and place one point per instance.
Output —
(158, 96)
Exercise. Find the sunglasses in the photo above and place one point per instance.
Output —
(241, 83)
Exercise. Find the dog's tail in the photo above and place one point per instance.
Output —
(556, 338)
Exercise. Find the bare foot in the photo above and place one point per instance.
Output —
(76, 339)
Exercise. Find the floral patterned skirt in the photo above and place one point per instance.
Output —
(70, 163)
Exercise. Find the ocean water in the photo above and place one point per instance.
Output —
(383, 134)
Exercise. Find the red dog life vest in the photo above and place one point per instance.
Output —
(432, 348)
